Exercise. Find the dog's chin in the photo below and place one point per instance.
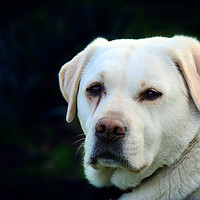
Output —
(108, 159)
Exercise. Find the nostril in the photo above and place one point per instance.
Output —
(100, 128)
(119, 130)
(115, 130)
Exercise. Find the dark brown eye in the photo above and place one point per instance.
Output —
(150, 95)
(95, 90)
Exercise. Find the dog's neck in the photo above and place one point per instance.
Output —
(168, 176)
(190, 146)
(195, 141)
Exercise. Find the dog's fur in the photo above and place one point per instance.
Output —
(159, 155)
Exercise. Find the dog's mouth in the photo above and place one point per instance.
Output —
(105, 159)
(108, 155)
(108, 159)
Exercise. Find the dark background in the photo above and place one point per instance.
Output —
(39, 155)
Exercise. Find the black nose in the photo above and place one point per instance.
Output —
(109, 129)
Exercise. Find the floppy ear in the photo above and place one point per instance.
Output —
(70, 74)
(186, 53)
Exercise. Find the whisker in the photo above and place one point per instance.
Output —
(79, 148)
(80, 135)
(80, 140)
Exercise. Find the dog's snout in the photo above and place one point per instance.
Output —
(109, 129)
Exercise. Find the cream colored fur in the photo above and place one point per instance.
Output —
(162, 140)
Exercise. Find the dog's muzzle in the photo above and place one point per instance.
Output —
(108, 149)
(109, 145)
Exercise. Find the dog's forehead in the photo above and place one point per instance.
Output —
(136, 61)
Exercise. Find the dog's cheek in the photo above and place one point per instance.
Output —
(143, 141)
(152, 139)
(89, 148)
(139, 140)
(83, 111)
(174, 118)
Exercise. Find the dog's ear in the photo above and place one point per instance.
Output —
(186, 54)
(70, 74)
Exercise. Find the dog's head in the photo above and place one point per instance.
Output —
(137, 103)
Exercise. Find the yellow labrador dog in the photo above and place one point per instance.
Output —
(138, 102)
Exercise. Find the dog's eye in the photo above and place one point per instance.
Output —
(150, 95)
(95, 90)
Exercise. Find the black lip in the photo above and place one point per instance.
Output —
(108, 156)
(117, 160)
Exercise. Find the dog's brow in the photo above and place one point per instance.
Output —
(143, 83)
(101, 74)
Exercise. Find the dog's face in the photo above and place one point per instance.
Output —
(132, 106)
(135, 110)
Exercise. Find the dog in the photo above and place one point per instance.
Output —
(138, 103)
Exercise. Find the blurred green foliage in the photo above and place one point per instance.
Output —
(38, 158)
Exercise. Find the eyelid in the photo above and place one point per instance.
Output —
(141, 96)
(93, 93)
(93, 84)
(150, 89)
